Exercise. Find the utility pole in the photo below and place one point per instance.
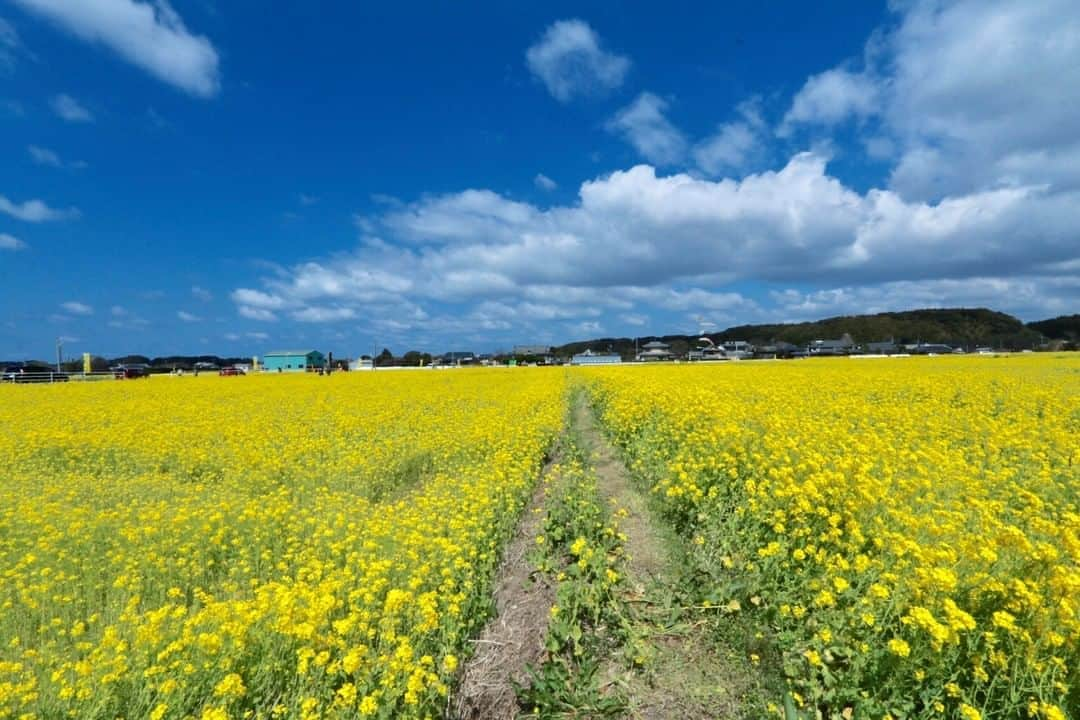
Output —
(59, 351)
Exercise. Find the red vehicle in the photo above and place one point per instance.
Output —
(229, 371)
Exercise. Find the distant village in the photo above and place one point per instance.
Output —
(944, 331)
(653, 351)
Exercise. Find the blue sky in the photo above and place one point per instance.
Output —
(235, 177)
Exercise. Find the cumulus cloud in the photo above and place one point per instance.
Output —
(70, 109)
(35, 211)
(968, 95)
(734, 144)
(150, 35)
(77, 308)
(643, 124)
(570, 62)
(831, 97)
(637, 241)
(188, 317)
(10, 242)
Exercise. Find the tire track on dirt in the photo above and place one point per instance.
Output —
(513, 639)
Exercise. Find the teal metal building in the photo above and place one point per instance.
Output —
(293, 361)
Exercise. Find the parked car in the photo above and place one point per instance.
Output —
(32, 373)
(131, 371)
(230, 371)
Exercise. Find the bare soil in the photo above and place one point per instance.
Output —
(514, 638)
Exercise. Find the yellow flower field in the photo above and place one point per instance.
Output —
(295, 546)
(904, 533)
(907, 531)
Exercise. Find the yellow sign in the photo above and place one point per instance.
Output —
(86, 362)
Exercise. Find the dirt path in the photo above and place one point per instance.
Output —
(669, 668)
(646, 555)
(514, 638)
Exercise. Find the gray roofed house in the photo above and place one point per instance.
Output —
(843, 346)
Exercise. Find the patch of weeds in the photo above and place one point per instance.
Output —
(581, 549)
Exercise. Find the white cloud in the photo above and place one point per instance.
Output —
(77, 308)
(643, 124)
(1029, 297)
(832, 97)
(634, 319)
(256, 298)
(150, 35)
(727, 149)
(125, 319)
(44, 156)
(188, 317)
(70, 109)
(543, 182)
(318, 314)
(9, 45)
(10, 242)
(637, 240)
(254, 313)
(459, 216)
(47, 157)
(201, 293)
(968, 96)
(570, 62)
(734, 144)
(35, 211)
(257, 335)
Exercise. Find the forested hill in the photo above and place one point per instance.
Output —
(958, 327)
(1066, 327)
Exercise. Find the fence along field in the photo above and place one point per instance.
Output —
(905, 534)
(262, 547)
